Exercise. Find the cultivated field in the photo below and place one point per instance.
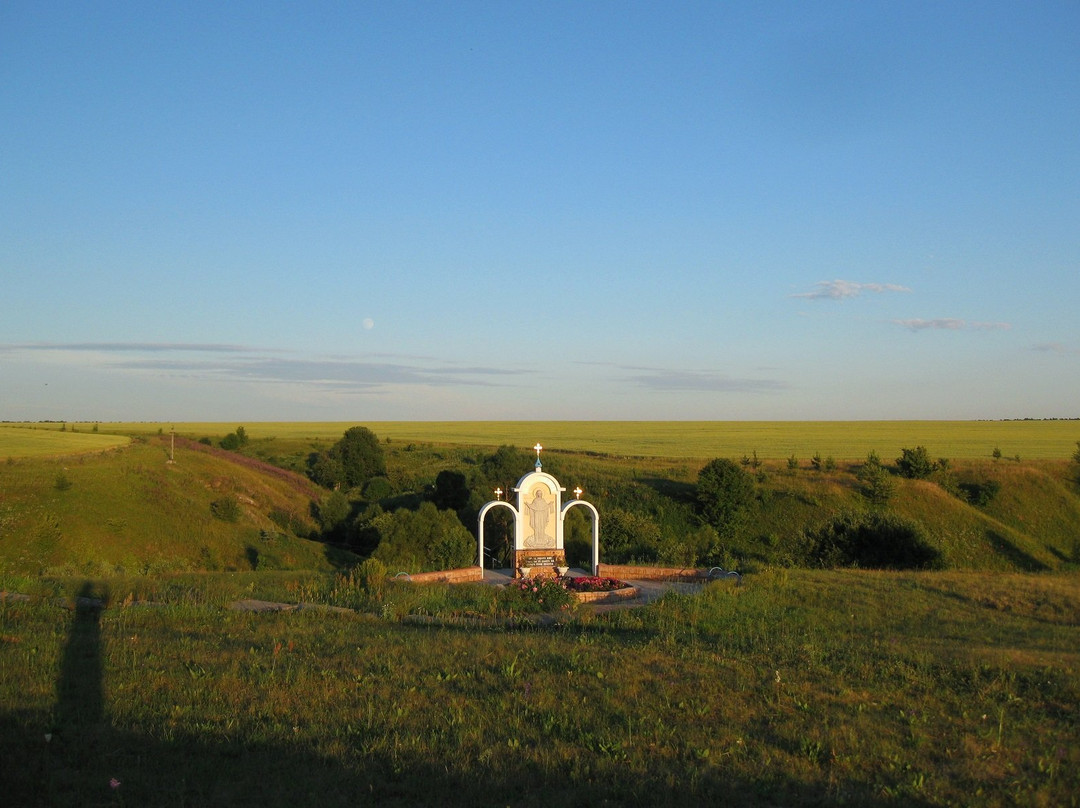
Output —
(46, 440)
(842, 440)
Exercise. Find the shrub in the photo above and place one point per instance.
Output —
(227, 509)
(425, 539)
(980, 494)
(871, 540)
(333, 512)
(535, 595)
(63, 482)
(628, 536)
(371, 577)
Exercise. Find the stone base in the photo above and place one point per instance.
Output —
(538, 562)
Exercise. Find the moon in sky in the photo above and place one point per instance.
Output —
(368, 324)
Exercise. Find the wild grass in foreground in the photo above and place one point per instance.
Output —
(796, 688)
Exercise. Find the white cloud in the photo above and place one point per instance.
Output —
(842, 290)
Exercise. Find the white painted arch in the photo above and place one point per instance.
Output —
(480, 531)
(595, 528)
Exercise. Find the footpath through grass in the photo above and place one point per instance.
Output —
(798, 687)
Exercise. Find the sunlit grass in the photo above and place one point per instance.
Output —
(796, 687)
(46, 440)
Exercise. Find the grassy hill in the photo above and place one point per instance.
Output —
(131, 511)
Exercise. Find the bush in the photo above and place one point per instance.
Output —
(535, 595)
(628, 536)
(227, 509)
(870, 540)
(333, 512)
(980, 494)
(421, 540)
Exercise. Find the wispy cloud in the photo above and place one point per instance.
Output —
(251, 364)
(842, 290)
(950, 324)
(1056, 348)
(705, 381)
(129, 347)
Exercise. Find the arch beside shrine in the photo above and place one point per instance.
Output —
(595, 528)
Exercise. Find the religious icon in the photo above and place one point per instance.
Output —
(539, 510)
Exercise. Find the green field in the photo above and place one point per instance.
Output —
(46, 440)
(843, 440)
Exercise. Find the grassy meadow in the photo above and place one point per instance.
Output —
(843, 440)
(797, 687)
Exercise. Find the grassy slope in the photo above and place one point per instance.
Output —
(1031, 525)
(796, 688)
(130, 510)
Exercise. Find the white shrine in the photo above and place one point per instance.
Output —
(538, 524)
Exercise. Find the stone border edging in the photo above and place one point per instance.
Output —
(630, 572)
(607, 596)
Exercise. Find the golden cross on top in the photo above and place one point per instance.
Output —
(538, 447)
(498, 493)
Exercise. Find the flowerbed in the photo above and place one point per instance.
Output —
(592, 583)
(533, 595)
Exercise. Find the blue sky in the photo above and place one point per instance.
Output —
(504, 210)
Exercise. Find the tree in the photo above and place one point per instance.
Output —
(451, 491)
(235, 440)
(326, 471)
(915, 463)
(360, 456)
(724, 494)
(505, 467)
(878, 484)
